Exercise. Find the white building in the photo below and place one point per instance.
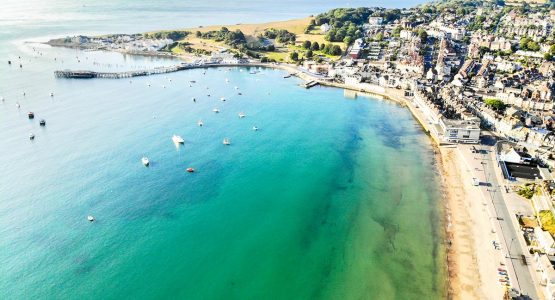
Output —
(512, 156)
(546, 243)
(460, 131)
(407, 34)
(325, 28)
(547, 275)
(375, 21)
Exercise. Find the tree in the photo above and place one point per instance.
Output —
(198, 34)
(306, 45)
(495, 103)
(524, 43)
(397, 31)
(548, 56)
(309, 54)
(327, 49)
(294, 56)
(423, 35)
(322, 47)
(315, 46)
(533, 46)
(336, 50)
(330, 36)
(348, 40)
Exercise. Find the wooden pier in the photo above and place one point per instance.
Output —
(118, 75)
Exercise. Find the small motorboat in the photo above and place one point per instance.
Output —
(90, 218)
(30, 114)
(223, 99)
(226, 142)
(17, 105)
(194, 99)
(163, 86)
(199, 123)
(145, 161)
(241, 115)
(190, 170)
(239, 93)
(192, 81)
(208, 95)
(148, 84)
(51, 94)
(226, 80)
(31, 136)
(216, 110)
(254, 128)
(177, 139)
(236, 87)
(42, 122)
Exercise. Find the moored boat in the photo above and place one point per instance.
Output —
(190, 170)
(145, 161)
(200, 123)
(227, 142)
(30, 114)
(42, 122)
(177, 139)
(216, 110)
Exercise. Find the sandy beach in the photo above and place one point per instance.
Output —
(472, 260)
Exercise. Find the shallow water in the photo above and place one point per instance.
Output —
(332, 198)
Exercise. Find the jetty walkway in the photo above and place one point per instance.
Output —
(84, 74)
(80, 74)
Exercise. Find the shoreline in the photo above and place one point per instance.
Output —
(464, 280)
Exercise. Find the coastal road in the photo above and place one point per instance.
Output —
(510, 234)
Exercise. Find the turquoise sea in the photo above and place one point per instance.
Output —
(333, 197)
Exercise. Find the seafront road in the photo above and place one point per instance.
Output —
(502, 213)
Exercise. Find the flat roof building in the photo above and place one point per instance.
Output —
(460, 131)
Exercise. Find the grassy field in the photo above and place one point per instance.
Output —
(251, 31)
